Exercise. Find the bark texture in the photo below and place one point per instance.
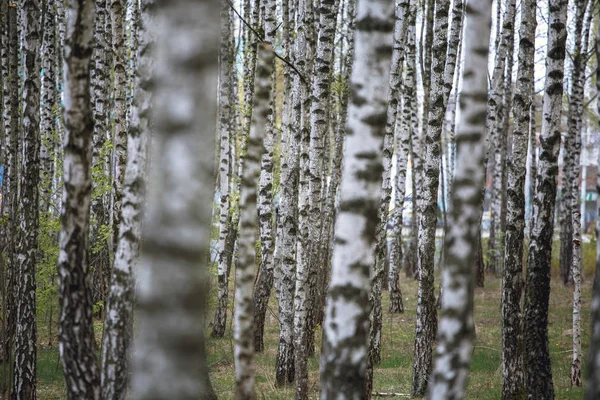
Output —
(169, 353)
(346, 327)
(457, 328)
(538, 370)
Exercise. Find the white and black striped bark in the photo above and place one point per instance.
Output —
(426, 325)
(169, 353)
(512, 283)
(118, 322)
(457, 328)
(346, 327)
(286, 232)
(224, 127)
(118, 113)
(132, 22)
(264, 280)
(538, 370)
(592, 387)
(380, 256)
(24, 378)
(76, 331)
(245, 267)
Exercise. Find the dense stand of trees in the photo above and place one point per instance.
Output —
(282, 144)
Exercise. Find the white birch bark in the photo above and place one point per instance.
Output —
(456, 331)
(538, 371)
(346, 327)
(169, 353)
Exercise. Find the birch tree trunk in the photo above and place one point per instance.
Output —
(285, 250)
(118, 321)
(225, 129)
(426, 325)
(76, 330)
(592, 387)
(244, 280)
(575, 126)
(456, 331)
(512, 283)
(538, 372)
(170, 353)
(24, 379)
(264, 281)
(346, 327)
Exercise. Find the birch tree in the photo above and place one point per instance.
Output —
(25, 339)
(76, 331)
(170, 353)
(456, 331)
(538, 371)
(346, 327)
(512, 283)
(426, 325)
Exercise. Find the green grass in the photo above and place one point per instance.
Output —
(394, 374)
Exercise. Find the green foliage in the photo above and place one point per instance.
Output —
(102, 183)
(47, 290)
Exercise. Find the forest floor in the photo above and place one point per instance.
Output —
(394, 374)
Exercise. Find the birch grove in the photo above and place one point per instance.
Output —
(346, 199)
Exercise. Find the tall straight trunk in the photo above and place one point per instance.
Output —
(286, 231)
(346, 327)
(225, 129)
(24, 383)
(244, 279)
(302, 297)
(538, 372)
(132, 21)
(118, 322)
(380, 256)
(456, 332)
(264, 280)
(170, 353)
(49, 105)
(118, 112)
(532, 165)
(576, 113)
(499, 103)
(512, 283)
(76, 330)
(592, 387)
(426, 326)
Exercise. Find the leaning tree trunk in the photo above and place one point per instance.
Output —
(380, 255)
(456, 332)
(538, 374)
(575, 114)
(170, 353)
(224, 127)
(76, 330)
(512, 283)
(346, 327)
(286, 234)
(118, 321)
(264, 280)
(426, 326)
(592, 388)
(24, 379)
(244, 279)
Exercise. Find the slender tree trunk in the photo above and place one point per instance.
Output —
(456, 332)
(76, 331)
(346, 327)
(170, 353)
(285, 250)
(512, 284)
(119, 308)
(532, 165)
(538, 371)
(24, 384)
(426, 326)
(132, 21)
(244, 280)
(264, 282)
(225, 129)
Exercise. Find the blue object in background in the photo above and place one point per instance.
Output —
(1, 174)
